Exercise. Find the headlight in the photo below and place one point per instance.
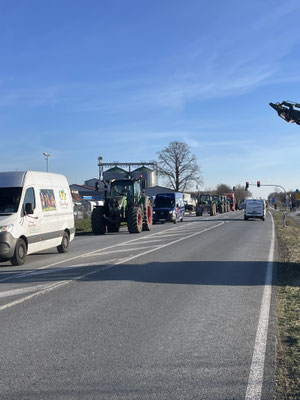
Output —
(6, 228)
(153, 212)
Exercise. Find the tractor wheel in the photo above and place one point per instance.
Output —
(147, 222)
(135, 220)
(98, 224)
(198, 212)
(113, 227)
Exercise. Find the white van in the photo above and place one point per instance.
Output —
(36, 213)
(255, 208)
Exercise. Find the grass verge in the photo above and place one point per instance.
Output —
(288, 310)
(83, 227)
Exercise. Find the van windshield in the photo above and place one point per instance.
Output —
(10, 199)
(164, 202)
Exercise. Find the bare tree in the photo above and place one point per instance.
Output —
(179, 167)
(241, 193)
(223, 188)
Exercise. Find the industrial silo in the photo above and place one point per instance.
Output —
(146, 174)
(115, 173)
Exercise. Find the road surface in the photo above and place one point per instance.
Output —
(181, 312)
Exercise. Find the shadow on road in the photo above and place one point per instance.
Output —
(223, 273)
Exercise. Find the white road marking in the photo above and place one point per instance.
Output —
(132, 257)
(173, 234)
(14, 303)
(28, 289)
(101, 253)
(154, 239)
(256, 375)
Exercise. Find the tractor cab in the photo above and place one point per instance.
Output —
(124, 187)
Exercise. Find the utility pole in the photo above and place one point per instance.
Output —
(47, 160)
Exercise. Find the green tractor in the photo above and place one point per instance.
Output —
(220, 203)
(227, 203)
(125, 203)
(206, 203)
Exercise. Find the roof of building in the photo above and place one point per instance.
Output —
(81, 187)
(143, 169)
(116, 169)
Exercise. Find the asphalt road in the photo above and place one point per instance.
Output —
(168, 314)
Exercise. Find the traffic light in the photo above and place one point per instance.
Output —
(258, 183)
(247, 186)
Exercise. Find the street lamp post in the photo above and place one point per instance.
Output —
(47, 159)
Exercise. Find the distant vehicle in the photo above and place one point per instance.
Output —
(36, 213)
(255, 209)
(288, 110)
(206, 204)
(232, 199)
(168, 207)
(241, 206)
(188, 207)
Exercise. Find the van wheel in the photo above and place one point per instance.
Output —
(19, 256)
(64, 246)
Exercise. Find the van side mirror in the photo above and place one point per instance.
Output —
(28, 208)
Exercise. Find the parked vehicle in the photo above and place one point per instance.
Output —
(36, 213)
(255, 209)
(241, 206)
(125, 203)
(168, 207)
(188, 207)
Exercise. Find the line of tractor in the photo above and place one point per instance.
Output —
(214, 203)
(125, 201)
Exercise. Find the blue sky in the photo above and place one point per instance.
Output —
(122, 79)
